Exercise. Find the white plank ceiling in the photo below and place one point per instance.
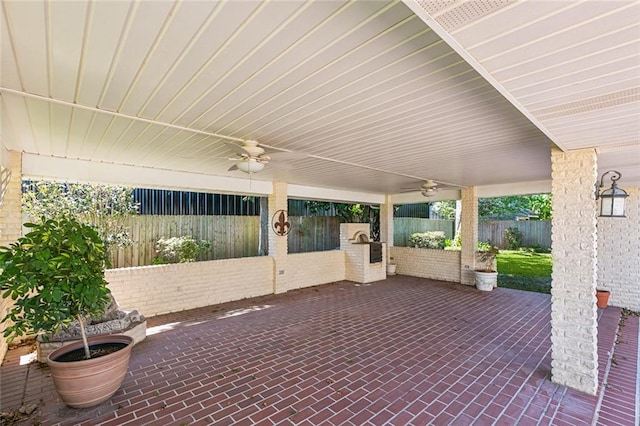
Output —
(380, 95)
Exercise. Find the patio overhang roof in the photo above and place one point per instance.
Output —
(380, 95)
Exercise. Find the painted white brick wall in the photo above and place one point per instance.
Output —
(11, 209)
(160, 289)
(468, 234)
(357, 266)
(619, 253)
(386, 222)
(315, 268)
(278, 244)
(574, 357)
(10, 227)
(441, 265)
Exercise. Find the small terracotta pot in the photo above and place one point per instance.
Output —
(603, 298)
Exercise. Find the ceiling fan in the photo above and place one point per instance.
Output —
(251, 157)
(428, 189)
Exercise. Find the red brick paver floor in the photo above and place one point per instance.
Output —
(405, 351)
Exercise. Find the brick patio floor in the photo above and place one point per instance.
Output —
(398, 352)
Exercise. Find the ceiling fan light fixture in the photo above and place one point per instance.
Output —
(429, 192)
(251, 166)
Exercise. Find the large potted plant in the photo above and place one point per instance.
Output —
(487, 275)
(55, 275)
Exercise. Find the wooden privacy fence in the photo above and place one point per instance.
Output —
(230, 236)
(238, 236)
(403, 227)
(535, 232)
(313, 233)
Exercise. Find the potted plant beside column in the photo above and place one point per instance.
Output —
(487, 275)
(55, 275)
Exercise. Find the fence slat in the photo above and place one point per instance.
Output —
(535, 232)
(230, 236)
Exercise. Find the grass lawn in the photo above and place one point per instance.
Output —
(524, 270)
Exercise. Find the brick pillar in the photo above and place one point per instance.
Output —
(468, 234)
(386, 223)
(10, 209)
(10, 220)
(278, 248)
(574, 345)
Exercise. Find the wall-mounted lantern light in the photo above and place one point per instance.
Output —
(611, 199)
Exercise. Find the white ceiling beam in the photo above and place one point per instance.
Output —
(55, 168)
(334, 195)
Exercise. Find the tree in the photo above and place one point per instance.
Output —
(501, 207)
(103, 207)
(445, 209)
(541, 204)
(351, 213)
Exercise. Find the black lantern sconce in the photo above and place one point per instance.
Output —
(612, 199)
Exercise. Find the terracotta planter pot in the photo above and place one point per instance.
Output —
(603, 298)
(89, 382)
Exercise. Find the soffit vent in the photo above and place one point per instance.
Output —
(590, 104)
(461, 15)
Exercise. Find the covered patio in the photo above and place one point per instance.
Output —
(373, 102)
(402, 351)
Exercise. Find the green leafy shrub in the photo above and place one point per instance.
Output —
(179, 250)
(488, 257)
(106, 208)
(54, 274)
(484, 245)
(514, 237)
(431, 239)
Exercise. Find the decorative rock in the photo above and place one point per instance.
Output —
(113, 321)
(119, 321)
(28, 409)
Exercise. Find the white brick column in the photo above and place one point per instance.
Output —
(278, 247)
(468, 234)
(10, 221)
(574, 356)
(10, 210)
(386, 222)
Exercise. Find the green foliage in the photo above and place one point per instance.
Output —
(179, 250)
(514, 237)
(445, 209)
(54, 274)
(483, 246)
(541, 204)
(507, 207)
(351, 213)
(488, 257)
(431, 240)
(103, 207)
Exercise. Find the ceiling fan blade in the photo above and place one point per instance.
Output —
(238, 149)
(232, 168)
